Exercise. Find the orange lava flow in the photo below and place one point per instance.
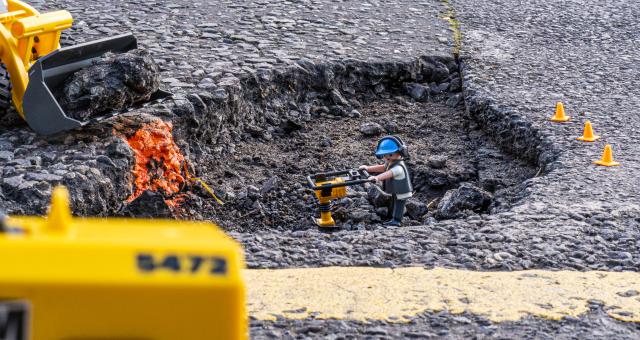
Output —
(159, 162)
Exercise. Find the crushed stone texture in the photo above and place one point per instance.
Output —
(518, 59)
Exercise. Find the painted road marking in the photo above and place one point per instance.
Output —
(364, 293)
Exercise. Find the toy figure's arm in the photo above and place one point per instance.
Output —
(383, 176)
(373, 168)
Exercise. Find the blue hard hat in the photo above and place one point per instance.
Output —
(387, 146)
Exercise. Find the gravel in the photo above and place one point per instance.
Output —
(253, 72)
(438, 325)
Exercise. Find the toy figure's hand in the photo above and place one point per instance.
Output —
(362, 167)
(373, 179)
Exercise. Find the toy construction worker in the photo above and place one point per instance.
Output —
(394, 176)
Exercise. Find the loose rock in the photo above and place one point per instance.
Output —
(466, 197)
(113, 83)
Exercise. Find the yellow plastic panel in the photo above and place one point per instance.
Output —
(124, 278)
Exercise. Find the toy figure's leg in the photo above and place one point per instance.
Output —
(398, 210)
(391, 207)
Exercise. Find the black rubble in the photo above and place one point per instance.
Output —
(466, 197)
(259, 75)
(112, 83)
(149, 204)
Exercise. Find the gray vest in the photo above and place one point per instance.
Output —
(394, 186)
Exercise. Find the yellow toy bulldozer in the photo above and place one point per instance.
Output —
(86, 278)
(35, 67)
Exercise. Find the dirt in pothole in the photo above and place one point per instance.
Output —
(263, 184)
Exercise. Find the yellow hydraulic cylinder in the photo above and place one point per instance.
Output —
(41, 23)
(74, 278)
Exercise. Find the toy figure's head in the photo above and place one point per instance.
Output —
(391, 148)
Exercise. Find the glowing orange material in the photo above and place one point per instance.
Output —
(159, 162)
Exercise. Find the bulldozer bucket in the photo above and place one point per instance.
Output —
(48, 74)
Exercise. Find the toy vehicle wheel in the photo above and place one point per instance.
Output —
(5, 91)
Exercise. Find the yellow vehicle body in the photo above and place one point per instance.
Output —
(74, 278)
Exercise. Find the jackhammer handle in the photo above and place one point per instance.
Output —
(364, 173)
(336, 185)
(310, 182)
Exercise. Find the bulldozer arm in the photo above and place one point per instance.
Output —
(47, 75)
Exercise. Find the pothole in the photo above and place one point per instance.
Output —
(238, 154)
(263, 185)
(264, 133)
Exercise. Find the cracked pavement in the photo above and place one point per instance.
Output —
(519, 58)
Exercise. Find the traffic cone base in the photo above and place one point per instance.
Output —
(607, 157)
(559, 116)
(585, 139)
(588, 135)
(560, 120)
(603, 163)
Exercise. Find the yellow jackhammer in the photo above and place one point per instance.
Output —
(329, 186)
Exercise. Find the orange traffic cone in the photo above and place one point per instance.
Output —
(607, 157)
(588, 135)
(559, 116)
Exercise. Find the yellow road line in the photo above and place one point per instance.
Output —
(359, 293)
